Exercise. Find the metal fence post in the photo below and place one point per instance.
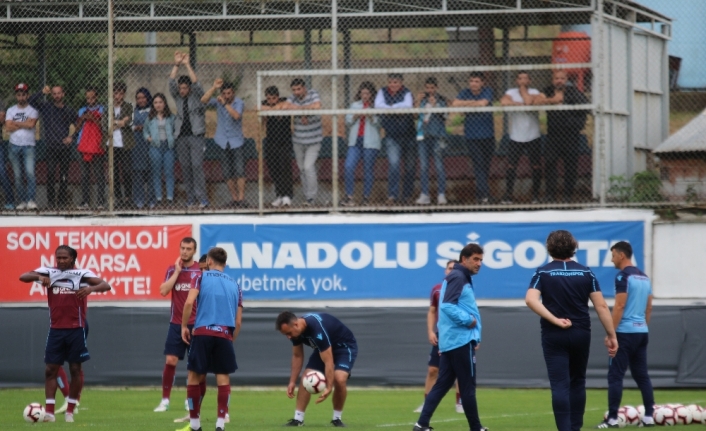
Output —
(111, 112)
(600, 103)
(334, 104)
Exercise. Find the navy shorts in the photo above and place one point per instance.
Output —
(209, 354)
(434, 357)
(343, 359)
(67, 345)
(174, 345)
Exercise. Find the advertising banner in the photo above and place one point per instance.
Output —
(133, 259)
(402, 260)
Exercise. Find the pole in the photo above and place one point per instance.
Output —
(346, 65)
(111, 111)
(260, 156)
(42, 57)
(192, 50)
(307, 54)
(599, 76)
(506, 75)
(334, 103)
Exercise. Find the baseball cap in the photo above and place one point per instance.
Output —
(21, 87)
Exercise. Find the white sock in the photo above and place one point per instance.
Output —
(50, 401)
(165, 400)
(612, 421)
(220, 422)
(195, 423)
(337, 414)
(299, 415)
(648, 420)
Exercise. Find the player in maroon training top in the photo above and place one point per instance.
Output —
(432, 319)
(179, 280)
(67, 293)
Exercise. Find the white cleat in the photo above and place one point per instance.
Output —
(419, 409)
(162, 407)
(459, 408)
(63, 408)
(182, 419)
(49, 418)
(69, 417)
(227, 418)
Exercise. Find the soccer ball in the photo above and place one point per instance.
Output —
(622, 421)
(314, 382)
(683, 415)
(632, 416)
(665, 416)
(697, 413)
(34, 412)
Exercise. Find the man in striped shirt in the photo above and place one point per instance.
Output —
(306, 136)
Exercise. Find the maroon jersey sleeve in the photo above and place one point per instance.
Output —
(188, 278)
(434, 300)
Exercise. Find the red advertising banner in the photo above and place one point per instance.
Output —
(132, 259)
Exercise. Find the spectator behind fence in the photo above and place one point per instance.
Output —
(123, 143)
(479, 131)
(525, 137)
(90, 140)
(159, 131)
(399, 137)
(189, 129)
(563, 134)
(20, 122)
(141, 172)
(229, 136)
(278, 148)
(4, 180)
(306, 136)
(363, 142)
(431, 140)
(56, 121)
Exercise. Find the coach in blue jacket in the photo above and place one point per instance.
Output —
(459, 335)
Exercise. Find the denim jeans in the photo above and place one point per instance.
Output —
(22, 159)
(162, 159)
(398, 149)
(352, 158)
(426, 146)
(4, 179)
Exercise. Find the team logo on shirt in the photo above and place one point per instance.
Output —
(319, 336)
(182, 287)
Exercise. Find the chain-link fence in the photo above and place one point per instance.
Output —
(349, 105)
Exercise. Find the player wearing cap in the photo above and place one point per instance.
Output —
(565, 286)
(631, 315)
(67, 292)
(20, 122)
(217, 325)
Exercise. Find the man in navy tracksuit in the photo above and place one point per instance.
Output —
(400, 137)
(459, 335)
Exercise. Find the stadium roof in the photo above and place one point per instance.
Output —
(691, 137)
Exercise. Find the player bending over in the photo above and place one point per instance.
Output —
(335, 350)
(67, 292)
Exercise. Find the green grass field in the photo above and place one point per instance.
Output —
(389, 409)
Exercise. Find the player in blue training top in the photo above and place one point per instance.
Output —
(459, 336)
(335, 350)
(217, 325)
(631, 314)
(565, 287)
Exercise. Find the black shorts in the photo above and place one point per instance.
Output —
(434, 357)
(209, 354)
(67, 345)
(175, 346)
(343, 359)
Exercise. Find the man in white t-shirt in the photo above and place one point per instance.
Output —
(20, 122)
(525, 137)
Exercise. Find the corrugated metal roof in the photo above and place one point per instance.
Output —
(691, 137)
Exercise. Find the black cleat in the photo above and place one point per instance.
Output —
(294, 423)
(418, 427)
(605, 424)
(219, 429)
(338, 423)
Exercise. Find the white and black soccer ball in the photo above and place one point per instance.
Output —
(683, 415)
(34, 412)
(632, 416)
(665, 416)
(697, 413)
(314, 382)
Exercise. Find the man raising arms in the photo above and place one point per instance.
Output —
(67, 294)
(180, 279)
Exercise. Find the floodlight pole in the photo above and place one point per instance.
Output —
(334, 103)
(110, 113)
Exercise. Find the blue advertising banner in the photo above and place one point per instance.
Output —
(402, 260)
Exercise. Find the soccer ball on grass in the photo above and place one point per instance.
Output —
(314, 382)
(34, 412)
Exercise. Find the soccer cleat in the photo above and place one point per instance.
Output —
(219, 429)
(338, 423)
(459, 408)
(484, 429)
(419, 409)
(418, 427)
(63, 408)
(294, 423)
(606, 424)
(49, 418)
(644, 424)
(162, 407)
(69, 417)
(188, 428)
(182, 419)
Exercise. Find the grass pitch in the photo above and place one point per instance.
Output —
(369, 409)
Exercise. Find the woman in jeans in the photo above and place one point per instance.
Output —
(159, 132)
(363, 142)
(141, 153)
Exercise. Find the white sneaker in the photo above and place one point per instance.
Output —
(277, 202)
(69, 417)
(31, 205)
(419, 409)
(286, 201)
(442, 199)
(49, 418)
(459, 408)
(423, 200)
(63, 408)
(21, 206)
(162, 407)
